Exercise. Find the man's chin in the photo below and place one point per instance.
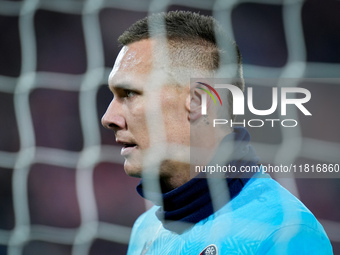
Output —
(132, 169)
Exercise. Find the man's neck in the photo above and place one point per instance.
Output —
(176, 175)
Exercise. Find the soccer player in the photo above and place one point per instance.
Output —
(164, 123)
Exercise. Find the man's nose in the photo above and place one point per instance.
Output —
(113, 117)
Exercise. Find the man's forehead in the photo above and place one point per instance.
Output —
(128, 57)
(135, 58)
(136, 54)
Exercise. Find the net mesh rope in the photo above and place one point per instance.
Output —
(93, 151)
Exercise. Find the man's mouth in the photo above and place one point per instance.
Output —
(128, 148)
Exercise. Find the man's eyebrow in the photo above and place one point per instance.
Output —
(120, 86)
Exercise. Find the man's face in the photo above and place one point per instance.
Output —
(127, 113)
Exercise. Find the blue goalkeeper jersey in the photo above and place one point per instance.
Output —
(264, 218)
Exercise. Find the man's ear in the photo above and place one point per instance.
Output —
(194, 103)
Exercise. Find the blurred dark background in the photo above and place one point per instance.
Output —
(56, 113)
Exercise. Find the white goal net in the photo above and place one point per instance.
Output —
(63, 189)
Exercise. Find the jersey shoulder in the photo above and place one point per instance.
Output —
(272, 220)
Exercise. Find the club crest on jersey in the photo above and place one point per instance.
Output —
(210, 250)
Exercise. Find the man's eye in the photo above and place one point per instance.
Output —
(130, 93)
